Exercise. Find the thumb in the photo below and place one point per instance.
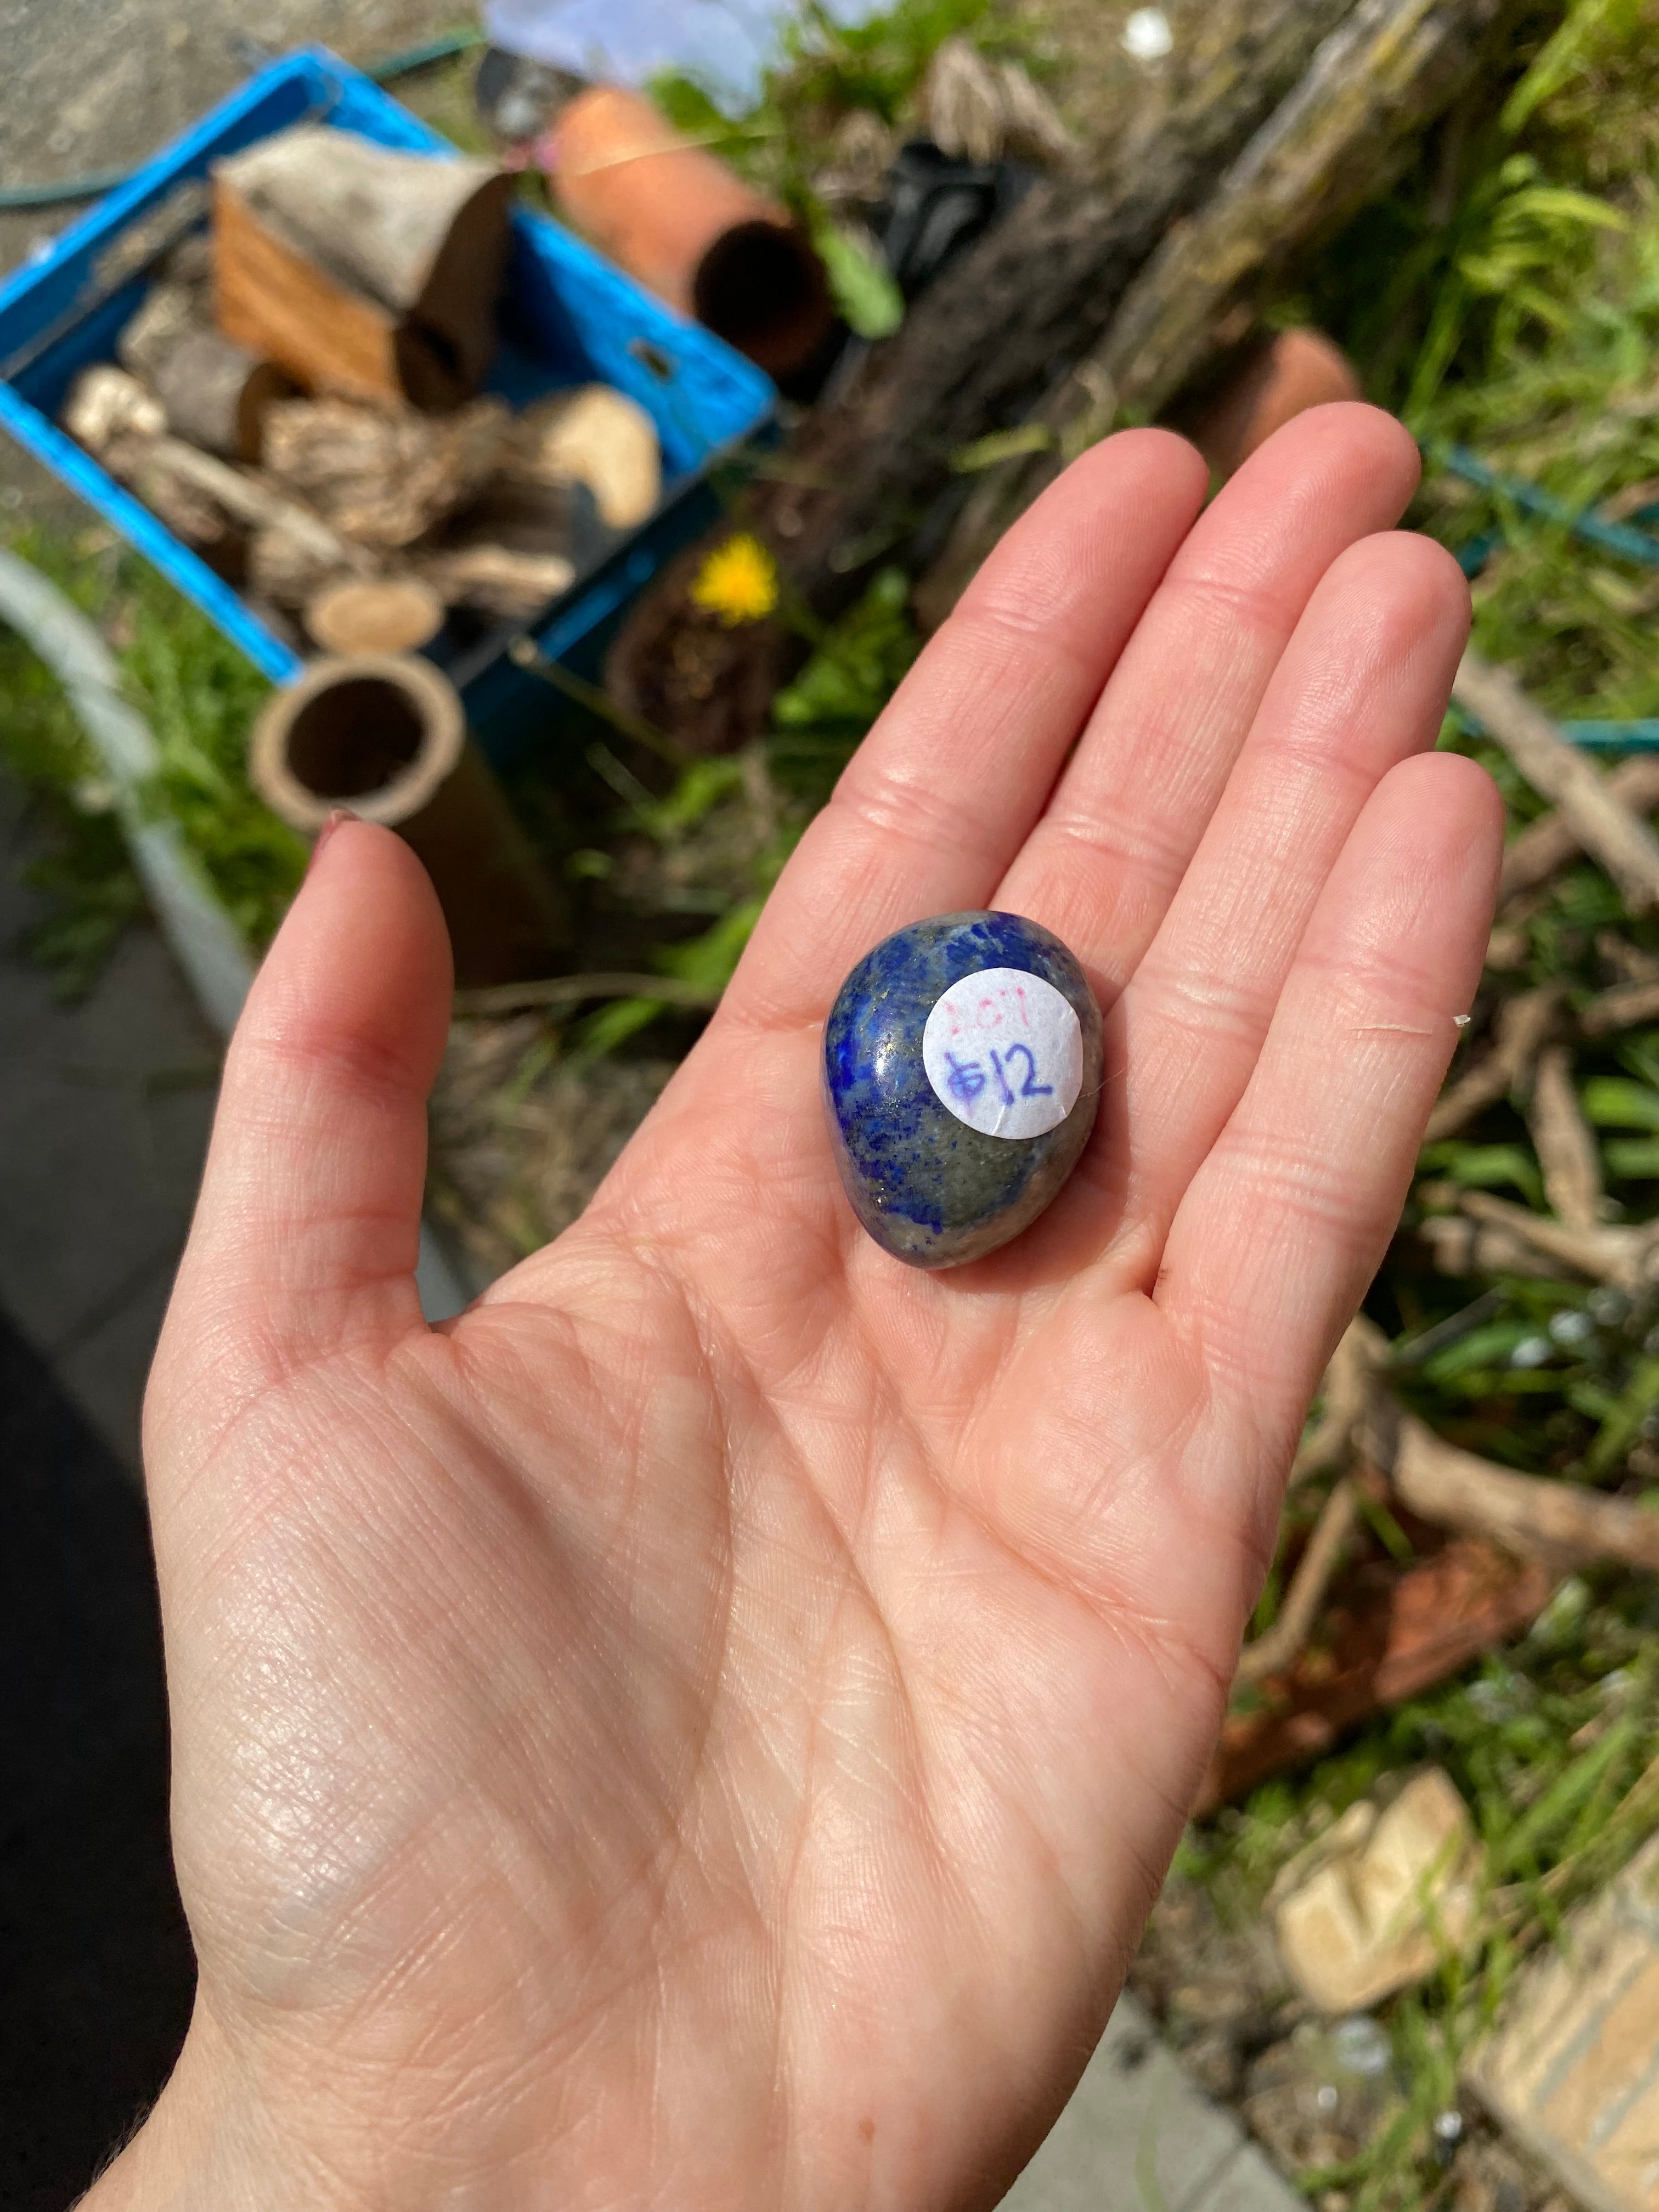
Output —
(307, 1227)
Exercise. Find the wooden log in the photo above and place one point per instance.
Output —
(998, 329)
(384, 735)
(383, 477)
(241, 524)
(593, 435)
(375, 614)
(216, 392)
(497, 580)
(1377, 81)
(361, 269)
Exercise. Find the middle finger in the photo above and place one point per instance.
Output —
(1102, 865)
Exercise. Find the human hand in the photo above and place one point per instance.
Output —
(704, 1728)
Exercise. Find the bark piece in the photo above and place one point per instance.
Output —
(1598, 817)
(596, 436)
(375, 614)
(1550, 843)
(1567, 1152)
(382, 478)
(215, 393)
(1386, 1633)
(106, 405)
(1522, 1026)
(978, 110)
(361, 269)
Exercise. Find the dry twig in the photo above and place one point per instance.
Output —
(1522, 1026)
(1345, 1392)
(1271, 1653)
(1600, 821)
(1562, 1523)
(1566, 1151)
(1621, 1008)
(1550, 843)
(1606, 1253)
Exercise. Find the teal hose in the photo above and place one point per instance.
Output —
(97, 182)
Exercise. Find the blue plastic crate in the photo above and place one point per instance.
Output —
(568, 316)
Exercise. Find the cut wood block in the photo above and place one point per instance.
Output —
(1571, 2069)
(375, 614)
(361, 269)
(271, 298)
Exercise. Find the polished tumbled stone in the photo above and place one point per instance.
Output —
(931, 1188)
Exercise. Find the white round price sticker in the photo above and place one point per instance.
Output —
(1003, 1051)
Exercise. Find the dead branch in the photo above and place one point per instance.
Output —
(1607, 1254)
(1562, 1523)
(1271, 1652)
(1550, 843)
(1462, 1247)
(1621, 1008)
(1567, 1152)
(1522, 1026)
(1600, 821)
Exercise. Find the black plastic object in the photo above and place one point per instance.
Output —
(936, 206)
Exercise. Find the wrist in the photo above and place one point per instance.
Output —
(206, 2147)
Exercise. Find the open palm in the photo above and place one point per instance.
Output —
(704, 1728)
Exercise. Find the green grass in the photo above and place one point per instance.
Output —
(199, 696)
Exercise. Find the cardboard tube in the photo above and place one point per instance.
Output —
(689, 227)
(386, 736)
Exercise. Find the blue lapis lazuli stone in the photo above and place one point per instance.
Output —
(930, 1189)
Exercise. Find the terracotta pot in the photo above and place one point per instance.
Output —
(384, 735)
(688, 227)
(1276, 379)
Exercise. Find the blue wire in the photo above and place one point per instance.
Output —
(1611, 537)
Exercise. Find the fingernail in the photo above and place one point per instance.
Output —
(340, 814)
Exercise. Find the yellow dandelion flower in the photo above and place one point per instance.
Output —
(738, 581)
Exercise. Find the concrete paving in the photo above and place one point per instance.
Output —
(1139, 2135)
(104, 1114)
